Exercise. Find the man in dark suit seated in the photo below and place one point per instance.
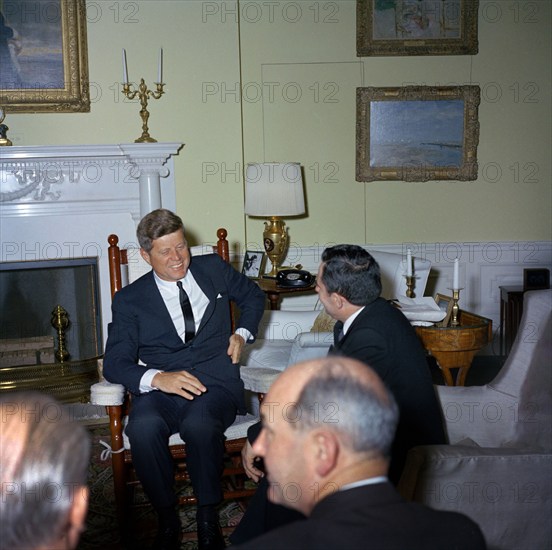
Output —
(327, 429)
(170, 344)
(372, 330)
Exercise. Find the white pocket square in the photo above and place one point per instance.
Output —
(219, 295)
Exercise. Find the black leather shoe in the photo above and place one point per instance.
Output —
(209, 535)
(168, 538)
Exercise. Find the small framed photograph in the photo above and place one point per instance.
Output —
(445, 304)
(254, 263)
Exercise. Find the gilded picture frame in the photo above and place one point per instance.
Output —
(44, 56)
(417, 133)
(417, 27)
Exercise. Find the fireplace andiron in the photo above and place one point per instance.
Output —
(60, 321)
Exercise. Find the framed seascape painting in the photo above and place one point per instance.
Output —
(417, 27)
(43, 56)
(417, 133)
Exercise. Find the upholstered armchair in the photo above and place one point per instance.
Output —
(498, 466)
(287, 337)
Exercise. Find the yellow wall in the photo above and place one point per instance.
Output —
(298, 68)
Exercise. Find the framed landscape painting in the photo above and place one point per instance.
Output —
(43, 56)
(417, 133)
(417, 27)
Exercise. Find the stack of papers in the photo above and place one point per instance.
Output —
(422, 311)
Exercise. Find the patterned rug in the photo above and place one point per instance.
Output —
(101, 524)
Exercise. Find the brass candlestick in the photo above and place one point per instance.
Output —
(4, 140)
(60, 321)
(143, 93)
(409, 286)
(455, 308)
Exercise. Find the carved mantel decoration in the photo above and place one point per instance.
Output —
(38, 174)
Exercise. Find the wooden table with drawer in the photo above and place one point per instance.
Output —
(455, 347)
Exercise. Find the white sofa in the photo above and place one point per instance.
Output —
(285, 337)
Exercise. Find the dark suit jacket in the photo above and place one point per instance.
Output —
(142, 329)
(383, 338)
(373, 516)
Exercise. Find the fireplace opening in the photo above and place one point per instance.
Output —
(30, 291)
(50, 326)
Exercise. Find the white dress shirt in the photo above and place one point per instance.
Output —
(350, 320)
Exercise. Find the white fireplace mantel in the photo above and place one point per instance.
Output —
(38, 179)
(60, 202)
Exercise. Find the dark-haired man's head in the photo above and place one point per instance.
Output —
(347, 273)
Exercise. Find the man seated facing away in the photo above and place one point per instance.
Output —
(370, 329)
(170, 343)
(327, 430)
(44, 458)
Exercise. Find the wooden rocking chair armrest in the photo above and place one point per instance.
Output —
(114, 398)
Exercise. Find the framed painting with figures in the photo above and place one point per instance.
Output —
(417, 27)
(43, 56)
(417, 133)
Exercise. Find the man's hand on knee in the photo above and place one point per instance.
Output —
(180, 383)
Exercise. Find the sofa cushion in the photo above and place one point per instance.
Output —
(267, 353)
(323, 323)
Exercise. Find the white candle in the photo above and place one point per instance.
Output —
(160, 67)
(125, 68)
(455, 285)
(408, 262)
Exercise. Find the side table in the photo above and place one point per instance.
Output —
(455, 347)
(273, 291)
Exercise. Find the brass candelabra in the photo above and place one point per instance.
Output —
(143, 94)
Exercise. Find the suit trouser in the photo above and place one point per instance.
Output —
(154, 417)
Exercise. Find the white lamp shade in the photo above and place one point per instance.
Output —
(274, 189)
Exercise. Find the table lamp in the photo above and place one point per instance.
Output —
(274, 190)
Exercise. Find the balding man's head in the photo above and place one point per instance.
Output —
(351, 399)
(329, 421)
(44, 459)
